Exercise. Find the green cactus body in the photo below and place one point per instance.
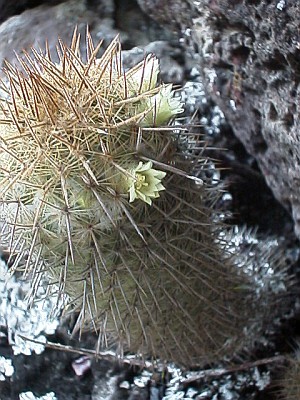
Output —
(127, 237)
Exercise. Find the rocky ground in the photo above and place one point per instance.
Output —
(240, 87)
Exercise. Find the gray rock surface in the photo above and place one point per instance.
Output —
(10, 8)
(105, 20)
(248, 53)
(170, 69)
(34, 27)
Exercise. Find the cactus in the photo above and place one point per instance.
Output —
(97, 198)
(289, 386)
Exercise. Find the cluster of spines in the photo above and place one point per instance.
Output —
(143, 269)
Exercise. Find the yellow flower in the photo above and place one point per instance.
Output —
(145, 183)
(162, 107)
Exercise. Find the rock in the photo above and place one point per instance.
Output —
(178, 15)
(34, 27)
(248, 54)
(136, 27)
(170, 69)
(8, 8)
(105, 20)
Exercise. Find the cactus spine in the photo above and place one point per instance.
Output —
(289, 382)
(95, 197)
